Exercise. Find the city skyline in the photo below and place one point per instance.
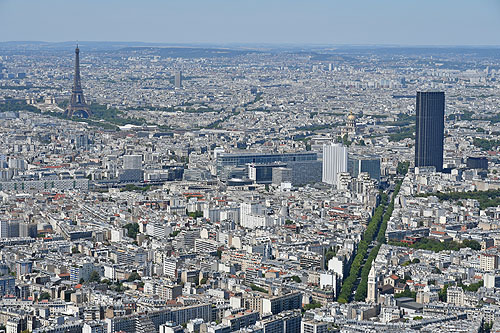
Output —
(387, 22)
(202, 179)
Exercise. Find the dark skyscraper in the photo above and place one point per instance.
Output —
(77, 105)
(429, 130)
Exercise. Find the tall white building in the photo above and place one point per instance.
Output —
(334, 162)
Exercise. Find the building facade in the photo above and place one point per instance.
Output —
(334, 162)
(429, 134)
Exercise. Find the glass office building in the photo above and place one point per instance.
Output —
(227, 161)
(369, 164)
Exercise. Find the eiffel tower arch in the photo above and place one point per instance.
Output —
(77, 106)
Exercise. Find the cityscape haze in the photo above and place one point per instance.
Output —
(251, 167)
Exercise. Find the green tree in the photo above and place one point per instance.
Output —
(486, 199)
(16, 105)
(345, 140)
(196, 214)
(474, 287)
(94, 277)
(312, 305)
(402, 167)
(473, 244)
(404, 133)
(257, 288)
(175, 233)
(486, 144)
(443, 294)
(437, 246)
(329, 254)
(132, 187)
(487, 326)
(132, 229)
(406, 293)
(44, 295)
(133, 277)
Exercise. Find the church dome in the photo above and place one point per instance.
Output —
(351, 117)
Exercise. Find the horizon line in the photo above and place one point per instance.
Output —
(296, 44)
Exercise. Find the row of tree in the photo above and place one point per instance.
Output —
(486, 144)
(404, 133)
(438, 246)
(362, 289)
(368, 237)
(17, 105)
(486, 199)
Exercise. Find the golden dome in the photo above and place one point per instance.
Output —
(351, 116)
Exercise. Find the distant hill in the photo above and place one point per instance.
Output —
(326, 53)
(192, 52)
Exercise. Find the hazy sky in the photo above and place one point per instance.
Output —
(408, 22)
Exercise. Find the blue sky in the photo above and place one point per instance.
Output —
(404, 22)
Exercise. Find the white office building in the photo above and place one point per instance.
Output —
(334, 162)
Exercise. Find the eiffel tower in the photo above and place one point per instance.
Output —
(77, 106)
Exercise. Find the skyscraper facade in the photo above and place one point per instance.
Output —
(364, 163)
(334, 161)
(178, 79)
(429, 130)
